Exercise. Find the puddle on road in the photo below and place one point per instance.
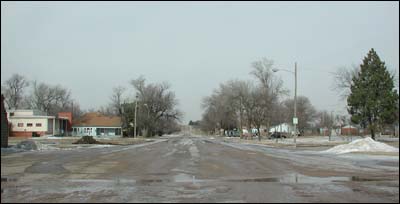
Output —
(363, 179)
(47, 168)
(158, 174)
(179, 178)
(8, 179)
(255, 180)
(299, 178)
(302, 179)
(149, 181)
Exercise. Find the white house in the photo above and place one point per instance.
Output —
(25, 123)
(284, 128)
(96, 124)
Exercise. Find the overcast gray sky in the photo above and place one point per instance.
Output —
(91, 47)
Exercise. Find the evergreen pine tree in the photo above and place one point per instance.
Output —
(373, 101)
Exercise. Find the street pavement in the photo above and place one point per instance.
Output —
(189, 168)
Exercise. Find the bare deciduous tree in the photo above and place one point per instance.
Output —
(325, 120)
(306, 112)
(270, 89)
(13, 90)
(156, 103)
(116, 99)
(50, 99)
(107, 110)
(343, 78)
(75, 109)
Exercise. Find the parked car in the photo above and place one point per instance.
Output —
(277, 135)
(233, 133)
(299, 133)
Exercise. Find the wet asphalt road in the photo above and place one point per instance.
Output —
(196, 169)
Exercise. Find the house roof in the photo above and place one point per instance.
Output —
(97, 120)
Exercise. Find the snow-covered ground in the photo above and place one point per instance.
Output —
(34, 145)
(310, 140)
(52, 137)
(186, 141)
(362, 145)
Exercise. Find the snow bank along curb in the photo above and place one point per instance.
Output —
(362, 145)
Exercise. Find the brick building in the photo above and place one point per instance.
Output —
(4, 124)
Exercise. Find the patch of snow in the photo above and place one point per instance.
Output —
(194, 152)
(186, 141)
(100, 146)
(46, 147)
(172, 135)
(53, 137)
(11, 150)
(169, 153)
(28, 145)
(362, 145)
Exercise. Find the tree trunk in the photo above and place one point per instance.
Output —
(259, 134)
(372, 132)
(372, 128)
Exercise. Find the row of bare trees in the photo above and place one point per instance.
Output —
(47, 98)
(256, 103)
(156, 103)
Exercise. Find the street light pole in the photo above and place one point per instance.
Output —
(295, 121)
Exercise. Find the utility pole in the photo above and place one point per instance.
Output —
(240, 119)
(148, 118)
(331, 125)
(134, 134)
(295, 103)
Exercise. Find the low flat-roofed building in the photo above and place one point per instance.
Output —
(25, 123)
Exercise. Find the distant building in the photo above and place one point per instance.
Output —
(325, 131)
(96, 124)
(69, 122)
(25, 123)
(4, 124)
(283, 128)
(349, 130)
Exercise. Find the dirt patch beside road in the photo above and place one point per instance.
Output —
(124, 141)
(69, 143)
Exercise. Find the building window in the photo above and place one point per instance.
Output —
(38, 124)
(20, 125)
(29, 124)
